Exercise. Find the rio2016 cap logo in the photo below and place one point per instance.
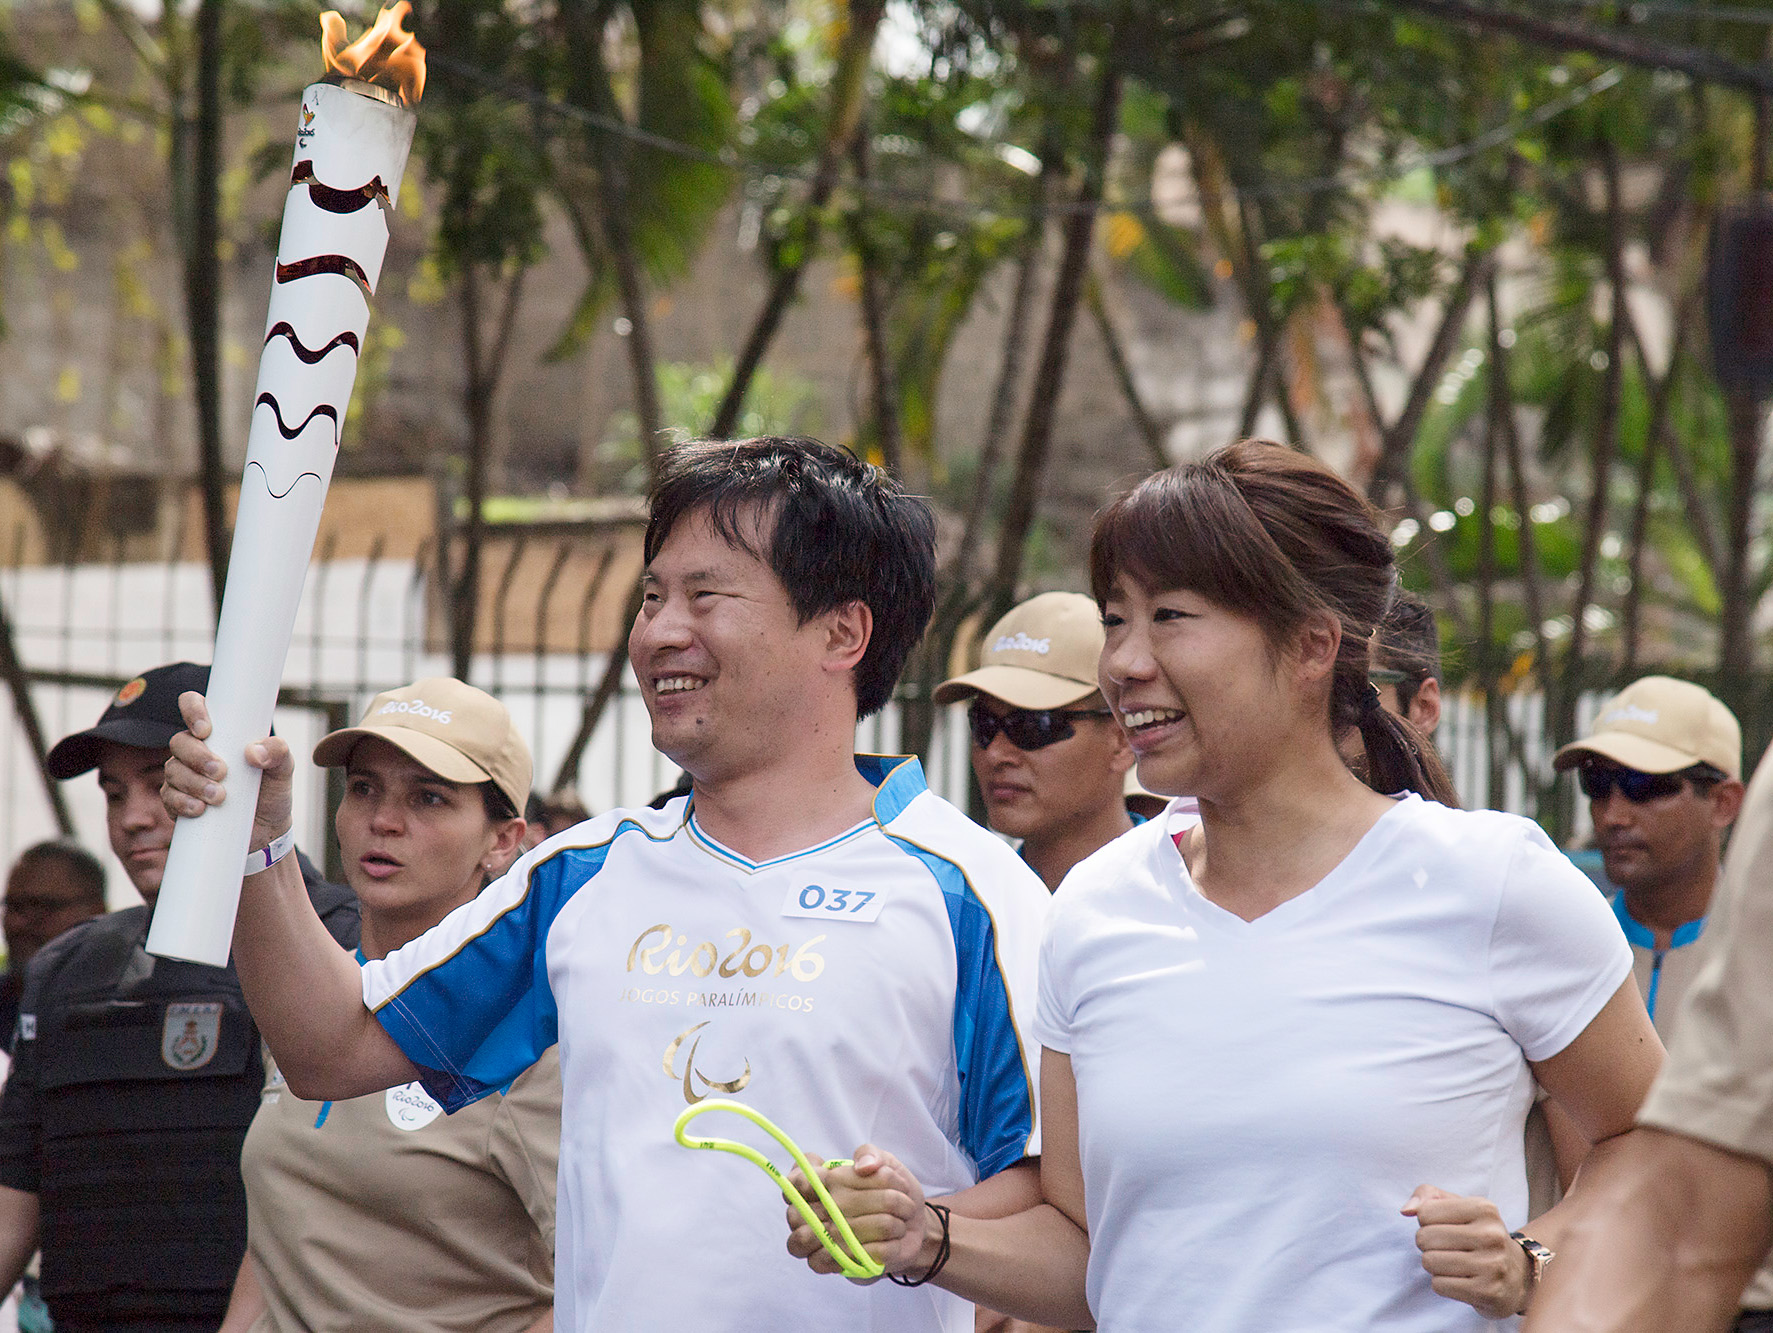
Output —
(1021, 642)
(131, 692)
(416, 708)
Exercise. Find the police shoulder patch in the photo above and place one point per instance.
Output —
(190, 1034)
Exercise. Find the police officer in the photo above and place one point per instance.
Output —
(134, 1077)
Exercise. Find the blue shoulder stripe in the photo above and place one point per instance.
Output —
(483, 1013)
(996, 1092)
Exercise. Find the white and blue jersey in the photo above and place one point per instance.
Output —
(873, 989)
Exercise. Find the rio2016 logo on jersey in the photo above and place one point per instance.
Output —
(691, 1075)
(705, 958)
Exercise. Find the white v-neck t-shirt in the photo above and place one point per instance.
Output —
(1257, 1099)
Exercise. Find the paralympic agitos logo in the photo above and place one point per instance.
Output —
(692, 1075)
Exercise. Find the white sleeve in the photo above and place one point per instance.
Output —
(1052, 1009)
(1556, 952)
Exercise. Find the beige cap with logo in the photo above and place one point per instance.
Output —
(1661, 725)
(1041, 655)
(458, 732)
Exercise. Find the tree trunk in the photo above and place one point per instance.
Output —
(1399, 438)
(848, 86)
(1736, 622)
(917, 715)
(1049, 380)
(588, 88)
(1604, 449)
(1702, 521)
(1150, 434)
(1488, 668)
(1655, 429)
(883, 390)
(24, 708)
(485, 369)
(203, 287)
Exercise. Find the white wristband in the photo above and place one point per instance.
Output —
(269, 855)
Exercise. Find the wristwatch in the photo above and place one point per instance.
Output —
(1538, 1257)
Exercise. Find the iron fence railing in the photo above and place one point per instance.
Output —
(364, 625)
(367, 624)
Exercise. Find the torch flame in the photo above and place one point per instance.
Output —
(387, 55)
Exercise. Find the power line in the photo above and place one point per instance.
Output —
(1693, 13)
(728, 160)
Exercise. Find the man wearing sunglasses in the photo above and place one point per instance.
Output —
(1662, 771)
(1050, 759)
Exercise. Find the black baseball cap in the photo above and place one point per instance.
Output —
(144, 713)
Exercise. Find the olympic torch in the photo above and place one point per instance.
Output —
(352, 140)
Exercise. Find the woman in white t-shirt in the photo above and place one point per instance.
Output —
(1292, 1026)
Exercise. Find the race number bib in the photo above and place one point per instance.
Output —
(826, 902)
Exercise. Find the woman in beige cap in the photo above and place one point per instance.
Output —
(382, 1213)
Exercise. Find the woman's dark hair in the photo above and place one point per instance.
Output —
(498, 805)
(839, 531)
(1275, 535)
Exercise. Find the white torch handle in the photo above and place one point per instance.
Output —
(350, 155)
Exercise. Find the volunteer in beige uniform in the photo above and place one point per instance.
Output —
(1671, 1239)
(382, 1213)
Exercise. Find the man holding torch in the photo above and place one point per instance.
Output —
(810, 930)
(134, 1078)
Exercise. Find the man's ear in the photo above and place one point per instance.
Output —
(848, 629)
(1124, 756)
(1726, 802)
(1425, 708)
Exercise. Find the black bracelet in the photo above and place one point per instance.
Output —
(941, 1252)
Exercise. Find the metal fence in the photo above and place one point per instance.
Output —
(369, 624)
(364, 625)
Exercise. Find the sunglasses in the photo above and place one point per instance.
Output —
(1027, 728)
(1598, 781)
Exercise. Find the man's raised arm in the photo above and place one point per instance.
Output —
(305, 992)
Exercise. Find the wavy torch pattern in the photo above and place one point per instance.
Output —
(329, 259)
(339, 201)
(283, 329)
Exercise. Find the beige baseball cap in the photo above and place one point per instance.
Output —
(1661, 725)
(1041, 655)
(458, 732)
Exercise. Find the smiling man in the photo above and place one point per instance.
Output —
(810, 931)
(134, 1077)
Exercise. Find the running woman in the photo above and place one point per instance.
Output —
(809, 930)
(1292, 1026)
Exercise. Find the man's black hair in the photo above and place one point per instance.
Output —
(843, 532)
(83, 868)
(1409, 642)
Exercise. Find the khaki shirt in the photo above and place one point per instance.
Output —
(384, 1215)
(1717, 1085)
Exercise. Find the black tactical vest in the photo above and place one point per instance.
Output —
(134, 1081)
